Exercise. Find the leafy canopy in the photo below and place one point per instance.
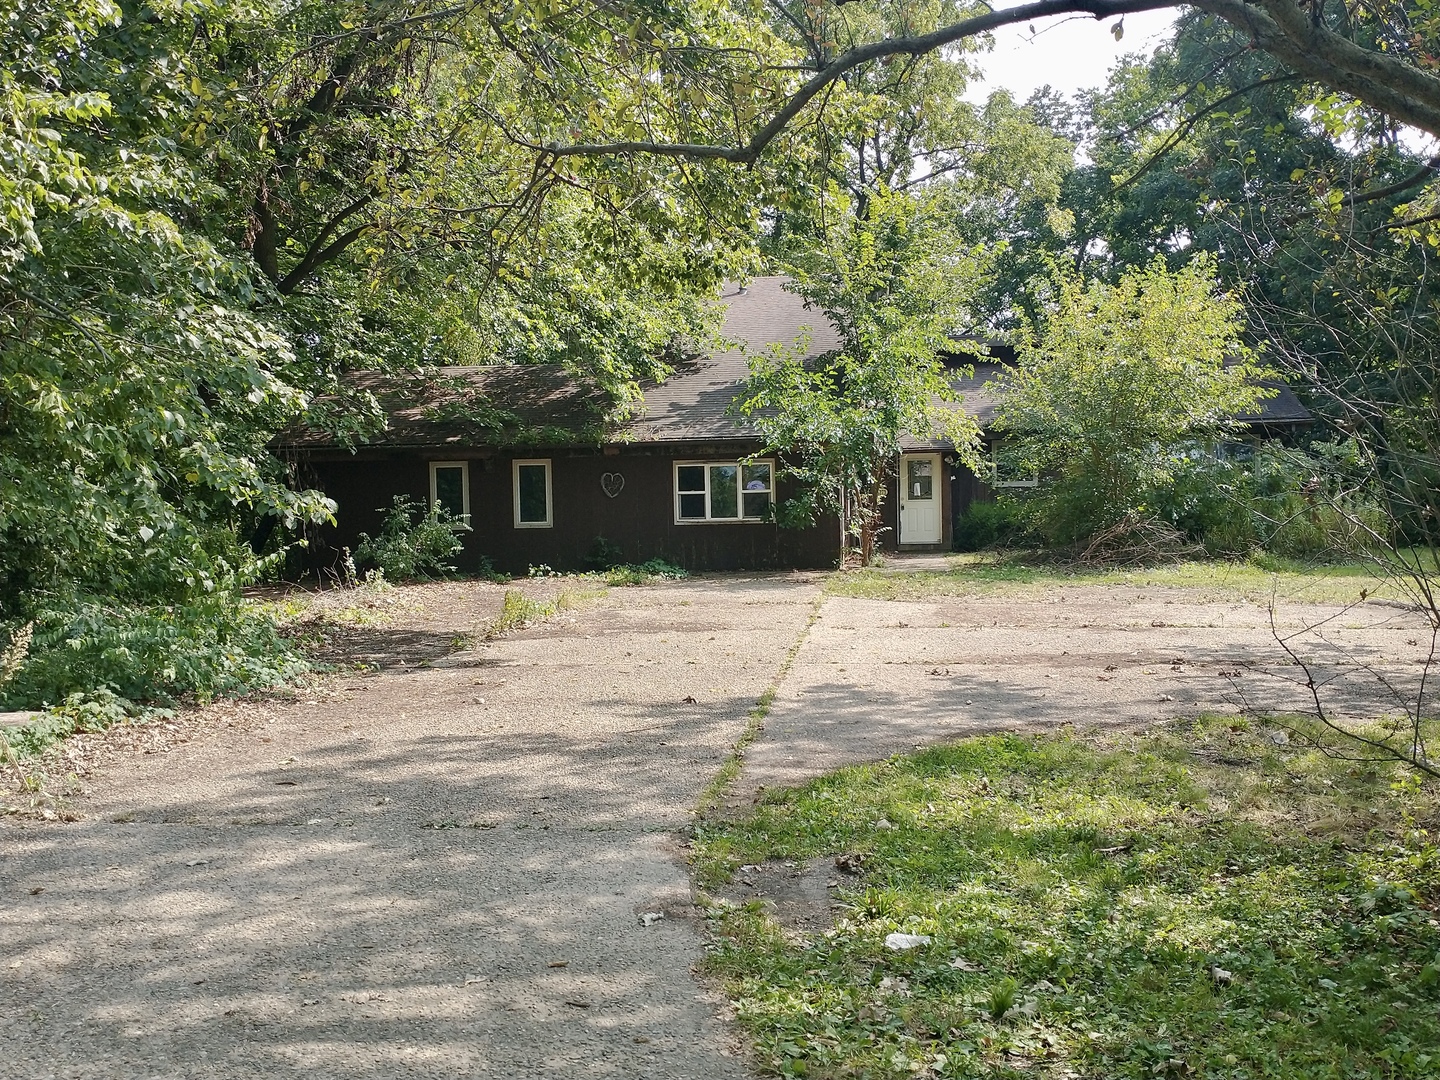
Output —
(1114, 387)
(137, 386)
(894, 283)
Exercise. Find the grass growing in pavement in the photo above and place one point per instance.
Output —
(1018, 574)
(1183, 904)
(728, 772)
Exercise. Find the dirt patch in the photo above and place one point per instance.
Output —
(799, 896)
(393, 628)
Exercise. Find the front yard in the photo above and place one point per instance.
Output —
(1203, 899)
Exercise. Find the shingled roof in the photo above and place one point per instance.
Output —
(692, 403)
(494, 405)
(515, 404)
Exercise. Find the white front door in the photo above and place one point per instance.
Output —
(920, 499)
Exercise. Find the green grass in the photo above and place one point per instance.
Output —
(1191, 903)
(1022, 575)
(754, 721)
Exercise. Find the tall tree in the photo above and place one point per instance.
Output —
(894, 282)
(137, 388)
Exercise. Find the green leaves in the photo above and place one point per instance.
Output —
(137, 389)
(894, 284)
(1114, 383)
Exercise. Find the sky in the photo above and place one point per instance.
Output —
(1076, 52)
(1070, 53)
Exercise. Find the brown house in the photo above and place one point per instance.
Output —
(524, 454)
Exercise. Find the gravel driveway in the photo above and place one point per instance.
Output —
(438, 872)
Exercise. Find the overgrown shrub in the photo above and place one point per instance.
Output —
(1233, 500)
(604, 555)
(209, 645)
(991, 525)
(413, 542)
(1313, 503)
(1210, 501)
(1114, 388)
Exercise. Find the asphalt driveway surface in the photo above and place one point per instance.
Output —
(435, 872)
(444, 869)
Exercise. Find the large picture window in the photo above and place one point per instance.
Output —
(450, 487)
(532, 494)
(723, 490)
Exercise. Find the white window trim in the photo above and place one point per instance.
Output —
(707, 520)
(549, 521)
(995, 472)
(464, 467)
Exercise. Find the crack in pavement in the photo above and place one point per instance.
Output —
(424, 880)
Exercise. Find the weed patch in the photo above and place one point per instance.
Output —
(207, 647)
(1180, 904)
(520, 611)
(987, 573)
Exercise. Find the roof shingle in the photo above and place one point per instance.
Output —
(510, 404)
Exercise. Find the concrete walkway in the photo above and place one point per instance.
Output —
(875, 678)
(439, 873)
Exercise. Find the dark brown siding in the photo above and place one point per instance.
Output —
(966, 488)
(639, 519)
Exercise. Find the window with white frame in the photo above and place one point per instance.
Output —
(532, 494)
(450, 487)
(1004, 471)
(723, 490)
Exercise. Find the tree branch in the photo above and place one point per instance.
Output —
(847, 61)
(1176, 137)
(1380, 80)
(1279, 27)
(321, 251)
(1415, 179)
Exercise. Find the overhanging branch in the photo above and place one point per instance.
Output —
(1279, 27)
(917, 45)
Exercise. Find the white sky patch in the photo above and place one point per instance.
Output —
(1069, 53)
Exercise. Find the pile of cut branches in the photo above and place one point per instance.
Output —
(1138, 540)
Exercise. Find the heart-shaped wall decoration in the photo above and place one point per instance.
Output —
(612, 483)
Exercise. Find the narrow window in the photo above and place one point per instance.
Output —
(1004, 470)
(690, 488)
(450, 487)
(758, 488)
(532, 494)
(724, 491)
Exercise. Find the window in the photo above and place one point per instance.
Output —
(723, 490)
(532, 494)
(450, 487)
(1006, 472)
(920, 478)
